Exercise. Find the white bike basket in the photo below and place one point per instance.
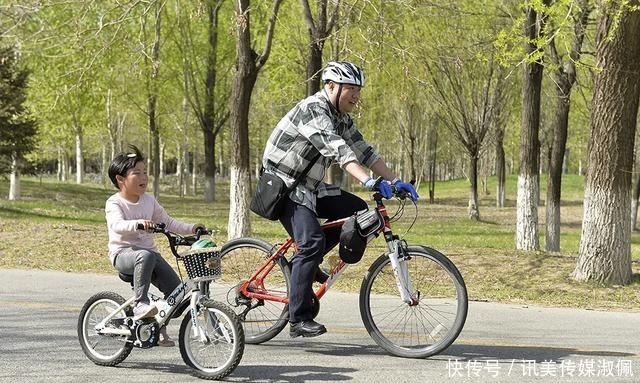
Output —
(202, 264)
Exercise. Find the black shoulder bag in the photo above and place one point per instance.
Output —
(272, 193)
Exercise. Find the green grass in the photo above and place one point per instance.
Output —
(61, 226)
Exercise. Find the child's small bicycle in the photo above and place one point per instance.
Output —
(211, 337)
(413, 300)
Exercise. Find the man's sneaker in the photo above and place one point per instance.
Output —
(144, 310)
(306, 329)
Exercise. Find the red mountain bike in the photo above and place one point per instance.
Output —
(413, 300)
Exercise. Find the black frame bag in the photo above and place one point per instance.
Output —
(354, 233)
(272, 193)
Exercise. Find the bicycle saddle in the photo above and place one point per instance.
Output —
(126, 277)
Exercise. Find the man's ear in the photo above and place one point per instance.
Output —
(331, 85)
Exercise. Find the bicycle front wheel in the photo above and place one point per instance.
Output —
(213, 348)
(435, 318)
(262, 319)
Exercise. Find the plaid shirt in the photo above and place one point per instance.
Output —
(312, 126)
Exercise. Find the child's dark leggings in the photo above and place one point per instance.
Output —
(147, 267)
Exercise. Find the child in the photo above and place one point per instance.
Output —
(131, 250)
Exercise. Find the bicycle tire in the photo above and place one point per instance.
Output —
(424, 329)
(219, 352)
(240, 259)
(93, 312)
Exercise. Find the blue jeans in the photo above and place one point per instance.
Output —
(147, 267)
(313, 243)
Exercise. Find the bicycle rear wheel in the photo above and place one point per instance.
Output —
(215, 348)
(104, 349)
(425, 328)
(262, 319)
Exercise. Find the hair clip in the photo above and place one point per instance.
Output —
(131, 155)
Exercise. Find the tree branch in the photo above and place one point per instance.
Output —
(262, 59)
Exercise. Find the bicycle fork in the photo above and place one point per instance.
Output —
(199, 327)
(399, 257)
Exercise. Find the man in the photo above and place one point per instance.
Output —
(319, 129)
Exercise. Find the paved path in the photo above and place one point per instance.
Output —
(500, 343)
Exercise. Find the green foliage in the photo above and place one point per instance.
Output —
(17, 126)
(80, 52)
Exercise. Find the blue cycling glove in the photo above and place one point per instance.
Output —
(407, 187)
(384, 187)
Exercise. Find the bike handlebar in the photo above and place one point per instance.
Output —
(176, 239)
(399, 193)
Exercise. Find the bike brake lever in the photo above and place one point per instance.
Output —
(200, 232)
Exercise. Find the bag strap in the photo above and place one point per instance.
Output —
(304, 172)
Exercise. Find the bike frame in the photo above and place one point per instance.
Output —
(194, 294)
(254, 287)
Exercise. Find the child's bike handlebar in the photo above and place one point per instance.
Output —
(176, 239)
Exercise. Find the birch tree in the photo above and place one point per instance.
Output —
(247, 66)
(564, 77)
(605, 244)
(528, 179)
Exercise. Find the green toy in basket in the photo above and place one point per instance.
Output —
(203, 243)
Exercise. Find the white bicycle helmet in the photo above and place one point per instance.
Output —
(343, 72)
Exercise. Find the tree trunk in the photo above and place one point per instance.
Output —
(180, 169)
(605, 244)
(211, 127)
(240, 180)
(79, 157)
(179, 159)
(161, 158)
(62, 165)
(318, 30)
(634, 205)
(474, 211)
(209, 166)
(104, 171)
(500, 169)
(155, 147)
(248, 64)
(194, 172)
(565, 77)
(554, 181)
(314, 66)
(14, 180)
(433, 152)
(185, 178)
(528, 184)
(222, 172)
(152, 102)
